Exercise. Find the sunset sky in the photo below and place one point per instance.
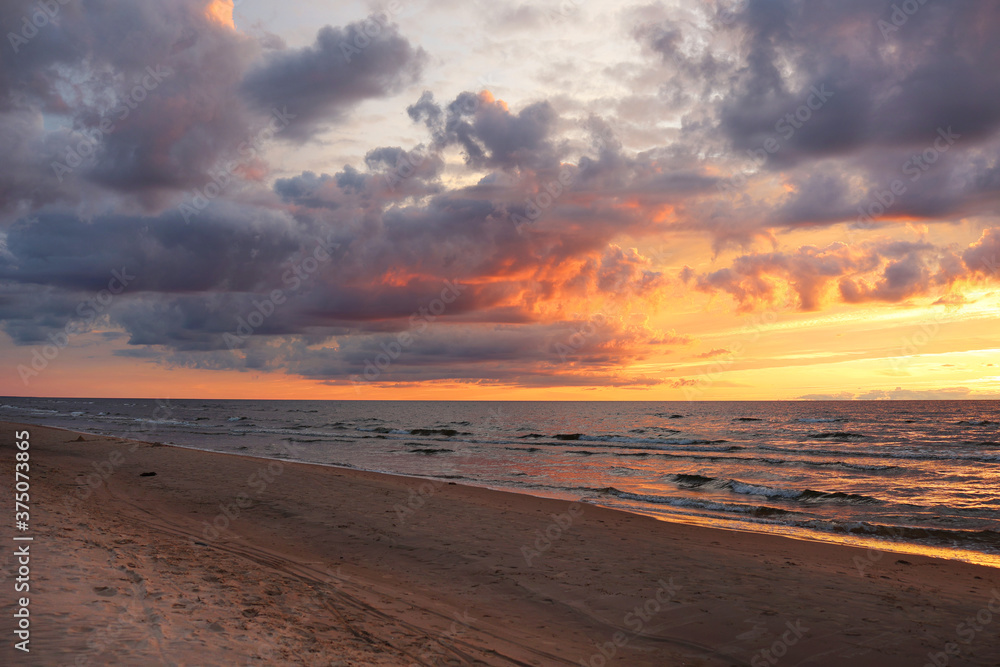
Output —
(675, 200)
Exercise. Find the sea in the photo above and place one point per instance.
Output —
(902, 476)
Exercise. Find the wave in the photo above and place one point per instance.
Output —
(437, 431)
(821, 420)
(752, 510)
(746, 488)
(885, 453)
(983, 539)
(838, 435)
(691, 480)
(631, 442)
(25, 408)
(624, 439)
(848, 466)
(710, 456)
(945, 536)
(983, 422)
(748, 419)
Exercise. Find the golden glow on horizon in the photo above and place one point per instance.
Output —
(843, 350)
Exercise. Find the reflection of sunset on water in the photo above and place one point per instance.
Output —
(910, 476)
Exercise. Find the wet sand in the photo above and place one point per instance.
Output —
(228, 560)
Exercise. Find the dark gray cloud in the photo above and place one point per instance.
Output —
(892, 90)
(138, 97)
(231, 248)
(580, 351)
(307, 189)
(194, 282)
(151, 99)
(832, 102)
(488, 133)
(320, 83)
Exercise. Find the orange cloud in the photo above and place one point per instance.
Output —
(220, 12)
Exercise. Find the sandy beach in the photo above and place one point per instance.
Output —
(227, 560)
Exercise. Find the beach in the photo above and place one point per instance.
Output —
(220, 559)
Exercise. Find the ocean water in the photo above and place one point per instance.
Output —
(923, 475)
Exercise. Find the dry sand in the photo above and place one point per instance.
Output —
(328, 566)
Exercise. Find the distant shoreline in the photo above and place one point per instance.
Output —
(437, 400)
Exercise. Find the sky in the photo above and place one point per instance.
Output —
(554, 200)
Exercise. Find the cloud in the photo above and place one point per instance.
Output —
(982, 256)
(320, 83)
(839, 396)
(888, 90)
(538, 354)
(197, 281)
(139, 98)
(488, 133)
(546, 217)
(809, 277)
(151, 100)
(900, 394)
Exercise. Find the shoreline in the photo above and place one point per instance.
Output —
(319, 562)
(963, 555)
